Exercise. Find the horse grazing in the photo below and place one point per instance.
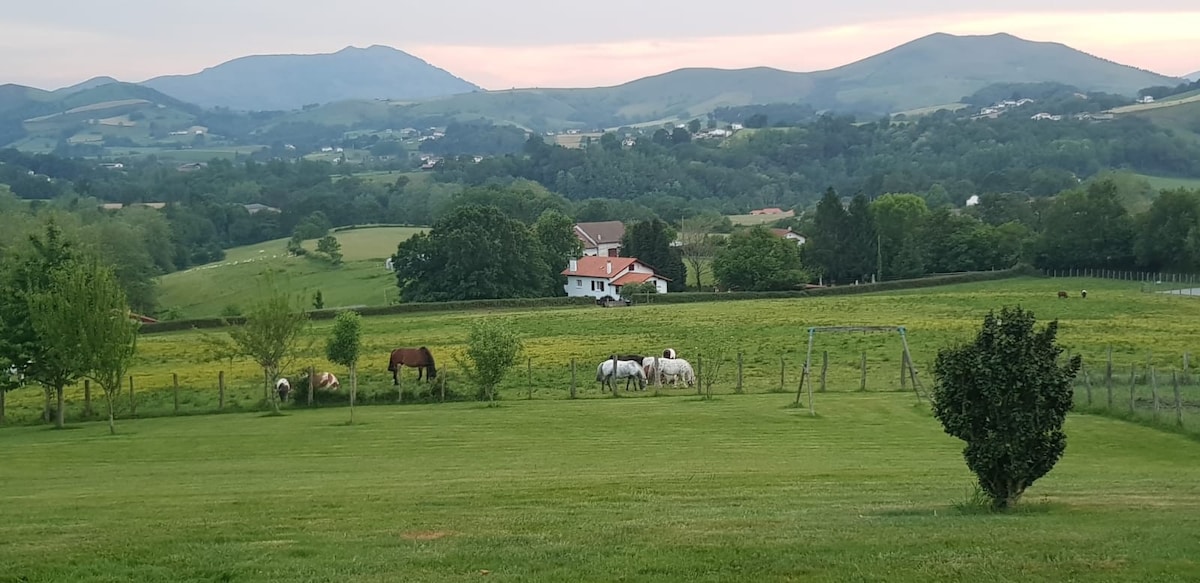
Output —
(634, 357)
(326, 380)
(669, 353)
(626, 369)
(670, 370)
(1062, 295)
(283, 388)
(418, 358)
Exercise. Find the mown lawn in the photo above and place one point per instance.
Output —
(738, 489)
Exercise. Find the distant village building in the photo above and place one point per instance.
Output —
(254, 208)
(790, 235)
(600, 277)
(602, 238)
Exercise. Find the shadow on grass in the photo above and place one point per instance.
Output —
(974, 503)
(274, 414)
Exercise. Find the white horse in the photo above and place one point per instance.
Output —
(670, 370)
(626, 369)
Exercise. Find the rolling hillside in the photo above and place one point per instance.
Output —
(1193, 77)
(285, 82)
(929, 71)
(207, 290)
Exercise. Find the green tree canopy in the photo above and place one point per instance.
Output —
(650, 242)
(758, 260)
(473, 253)
(1006, 395)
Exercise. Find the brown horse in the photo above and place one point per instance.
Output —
(418, 358)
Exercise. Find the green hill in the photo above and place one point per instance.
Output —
(930, 71)
(208, 290)
(285, 82)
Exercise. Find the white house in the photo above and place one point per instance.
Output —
(790, 235)
(598, 277)
(602, 239)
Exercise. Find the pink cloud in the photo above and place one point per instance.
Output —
(1149, 40)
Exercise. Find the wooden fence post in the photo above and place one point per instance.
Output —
(221, 390)
(782, 373)
(1154, 391)
(572, 378)
(862, 385)
(738, 389)
(399, 385)
(175, 381)
(903, 371)
(1108, 372)
(132, 400)
(1087, 382)
(1187, 375)
(529, 375)
(824, 369)
(87, 397)
(442, 385)
(1178, 401)
(700, 375)
(1132, 384)
(312, 381)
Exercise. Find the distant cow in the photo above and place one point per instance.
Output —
(1062, 295)
(283, 388)
(1083, 294)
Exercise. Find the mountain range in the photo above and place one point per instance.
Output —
(1193, 77)
(378, 87)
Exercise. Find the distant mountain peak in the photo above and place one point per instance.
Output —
(1193, 77)
(288, 82)
(89, 84)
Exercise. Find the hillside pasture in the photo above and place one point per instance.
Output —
(751, 220)
(635, 489)
(207, 290)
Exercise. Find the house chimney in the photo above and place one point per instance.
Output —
(610, 266)
(574, 265)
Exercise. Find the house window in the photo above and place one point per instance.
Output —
(579, 283)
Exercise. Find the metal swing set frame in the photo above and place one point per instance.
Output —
(806, 374)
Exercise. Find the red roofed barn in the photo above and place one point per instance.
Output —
(598, 277)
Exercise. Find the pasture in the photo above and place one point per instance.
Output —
(208, 290)
(740, 488)
(1140, 327)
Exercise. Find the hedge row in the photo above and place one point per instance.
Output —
(673, 298)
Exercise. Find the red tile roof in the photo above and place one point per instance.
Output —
(632, 277)
(593, 234)
(598, 266)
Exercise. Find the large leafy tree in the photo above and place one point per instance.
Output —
(473, 253)
(898, 218)
(860, 254)
(89, 305)
(1006, 395)
(757, 260)
(697, 243)
(650, 242)
(1163, 232)
(827, 237)
(27, 275)
(1086, 229)
(555, 233)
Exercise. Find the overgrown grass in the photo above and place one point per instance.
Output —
(740, 488)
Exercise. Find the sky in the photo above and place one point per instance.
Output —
(500, 44)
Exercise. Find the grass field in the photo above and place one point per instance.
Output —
(1166, 183)
(751, 220)
(362, 280)
(741, 488)
(1140, 327)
